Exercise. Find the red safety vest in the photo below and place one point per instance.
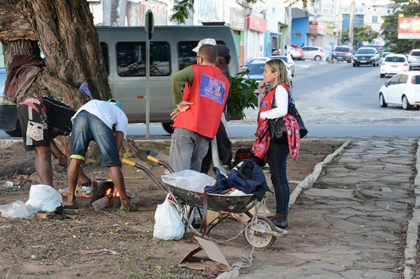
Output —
(266, 102)
(208, 94)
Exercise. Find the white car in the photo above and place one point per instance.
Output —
(402, 89)
(394, 63)
(314, 53)
(414, 58)
(289, 61)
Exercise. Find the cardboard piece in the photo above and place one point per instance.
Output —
(215, 261)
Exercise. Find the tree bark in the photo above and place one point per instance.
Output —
(69, 41)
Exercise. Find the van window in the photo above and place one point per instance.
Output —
(104, 49)
(186, 55)
(131, 59)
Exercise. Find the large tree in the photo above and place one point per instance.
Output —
(390, 26)
(65, 33)
(362, 33)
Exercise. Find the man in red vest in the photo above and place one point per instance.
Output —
(199, 109)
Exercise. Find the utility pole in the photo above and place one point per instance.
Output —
(289, 30)
(337, 31)
(351, 25)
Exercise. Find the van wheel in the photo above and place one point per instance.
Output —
(317, 58)
(168, 127)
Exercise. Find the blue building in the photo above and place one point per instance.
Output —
(300, 26)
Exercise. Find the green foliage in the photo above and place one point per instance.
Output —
(242, 95)
(390, 27)
(360, 34)
(182, 10)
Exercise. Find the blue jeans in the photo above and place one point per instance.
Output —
(188, 150)
(277, 160)
(87, 127)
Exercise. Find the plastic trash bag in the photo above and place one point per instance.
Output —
(168, 222)
(189, 180)
(45, 198)
(18, 209)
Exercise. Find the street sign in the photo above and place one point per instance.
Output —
(149, 24)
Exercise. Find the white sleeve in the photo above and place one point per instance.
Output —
(122, 123)
(282, 101)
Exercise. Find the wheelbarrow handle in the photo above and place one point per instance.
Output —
(148, 172)
(160, 162)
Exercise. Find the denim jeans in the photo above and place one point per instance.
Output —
(87, 127)
(188, 150)
(277, 160)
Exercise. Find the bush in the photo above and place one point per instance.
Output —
(242, 95)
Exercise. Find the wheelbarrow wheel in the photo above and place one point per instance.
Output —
(257, 239)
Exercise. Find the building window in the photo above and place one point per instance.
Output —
(298, 35)
(131, 59)
(374, 19)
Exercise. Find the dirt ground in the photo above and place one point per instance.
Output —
(114, 244)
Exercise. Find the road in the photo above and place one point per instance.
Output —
(335, 100)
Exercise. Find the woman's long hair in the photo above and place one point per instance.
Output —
(277, 65)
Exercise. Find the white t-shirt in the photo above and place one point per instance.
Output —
(109, 113)
(282, 101)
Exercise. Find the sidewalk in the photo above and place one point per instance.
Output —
(352, 222)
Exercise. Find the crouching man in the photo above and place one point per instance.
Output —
(98, 120)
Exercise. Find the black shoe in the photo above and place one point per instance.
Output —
(280, 224)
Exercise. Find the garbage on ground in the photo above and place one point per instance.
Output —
(101, 251)
(215, 260)
(10, 185)
(42, 198)
(168, 222)
(189, 180)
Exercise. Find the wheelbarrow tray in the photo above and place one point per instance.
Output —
(215, 202)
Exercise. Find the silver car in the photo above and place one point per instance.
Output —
(414, 58)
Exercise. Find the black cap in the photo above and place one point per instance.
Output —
(222, 50)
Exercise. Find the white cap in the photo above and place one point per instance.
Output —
(207, 41)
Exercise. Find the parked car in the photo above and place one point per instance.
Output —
(393, 64)
(414, 58)
(296, 52)
(366, 56)
(315, 53)
(289, 61)
(252, 60)
(402, 89)
(342, 53)
(384, 54)
(256, 70)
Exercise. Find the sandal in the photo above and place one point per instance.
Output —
(132, 208)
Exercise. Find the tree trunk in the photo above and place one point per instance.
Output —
(69, 41)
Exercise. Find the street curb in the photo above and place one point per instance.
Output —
(410, 252)
(310, 180)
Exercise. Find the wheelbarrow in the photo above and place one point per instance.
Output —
(258, 231)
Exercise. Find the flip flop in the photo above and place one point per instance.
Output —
(132, 208)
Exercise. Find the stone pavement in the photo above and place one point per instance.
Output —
(352, 222)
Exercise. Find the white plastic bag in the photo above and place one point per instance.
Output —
(189, 180)
(44, 198)
(18, 209)
(168, 222)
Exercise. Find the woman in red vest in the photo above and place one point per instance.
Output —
(274, 103)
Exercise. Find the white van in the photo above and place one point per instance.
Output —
(125, 59)
(171, 50)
